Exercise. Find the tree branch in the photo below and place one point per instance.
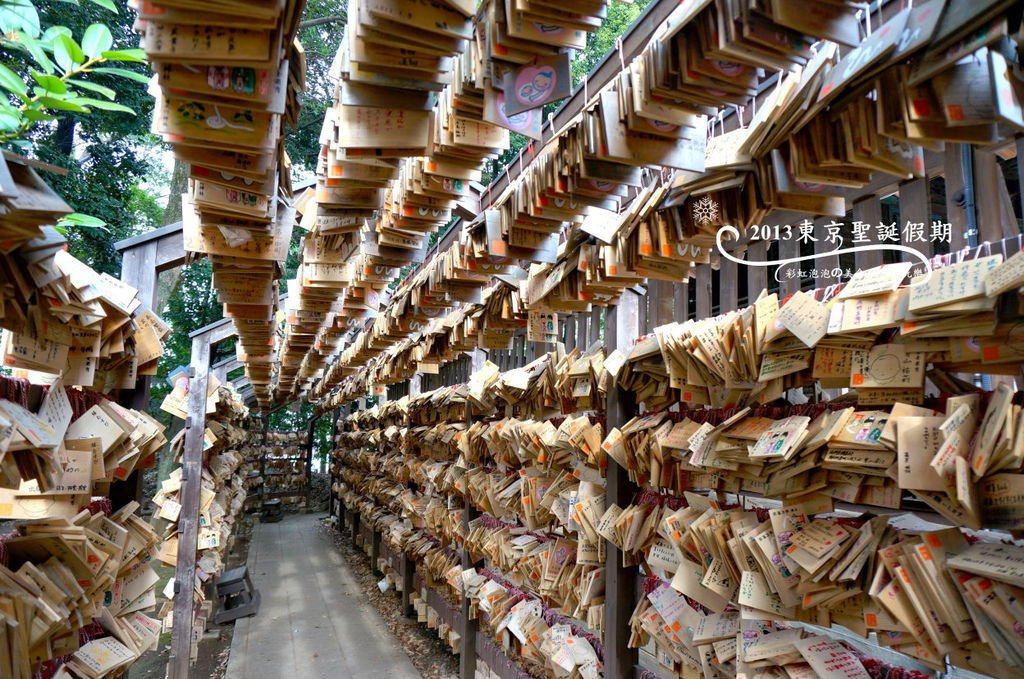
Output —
(309, 23)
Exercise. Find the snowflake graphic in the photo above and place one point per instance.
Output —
(705, 210)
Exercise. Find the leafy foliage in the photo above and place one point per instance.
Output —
(55, 75)
(621, 16)
(105, 183)
(320, 42)
(193, 305)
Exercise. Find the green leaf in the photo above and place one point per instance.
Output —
(123, 73)
(93, 87)
(50, 83)
(106, 4)
(35, 48)
(103, 105)
(96, 40)
(35, 116)
(79, 219)
(62, 104)
(51, 34)
(9, 122)
(10, 81)
(135, 55)
(19, 15)
(67, 53)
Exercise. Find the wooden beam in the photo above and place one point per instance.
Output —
(170, 251)
(1020, 173)
(623, 326)
(757, 276)
(467, 654)
(789, 248)
(868, 211)
(216, 332)
(138, 269)
(188, 519)
(141, 239)
(991, 199)
(916, 218)
(641, 308)
(825, 262)
(703, 282)
(310, 433)
(661, 299)
(728, 285)
(956, 212)
(681, 301)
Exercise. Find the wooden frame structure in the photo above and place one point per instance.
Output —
(307, 458)
(975, 201)
(617, 327)
(203, 341)
(143, 259)
(977, 205)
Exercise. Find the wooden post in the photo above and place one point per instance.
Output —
(995, 215)
(789, 248)
(408, 572)
(703, 291)
(823, 261)
(757, 276)
(467, 655)
(142, 260)
(641, 314)
(956, 210)
(915, 209)
(661, 300)
(138, 269)
(869, 211)
(375, 551)
(331, 507)
(310, 430)
(582, 338)
(623, 326)
(1020, 173)
(681, 301)
(728, 286)
(188, 520)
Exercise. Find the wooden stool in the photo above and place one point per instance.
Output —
(273, 511)
(238, 598)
